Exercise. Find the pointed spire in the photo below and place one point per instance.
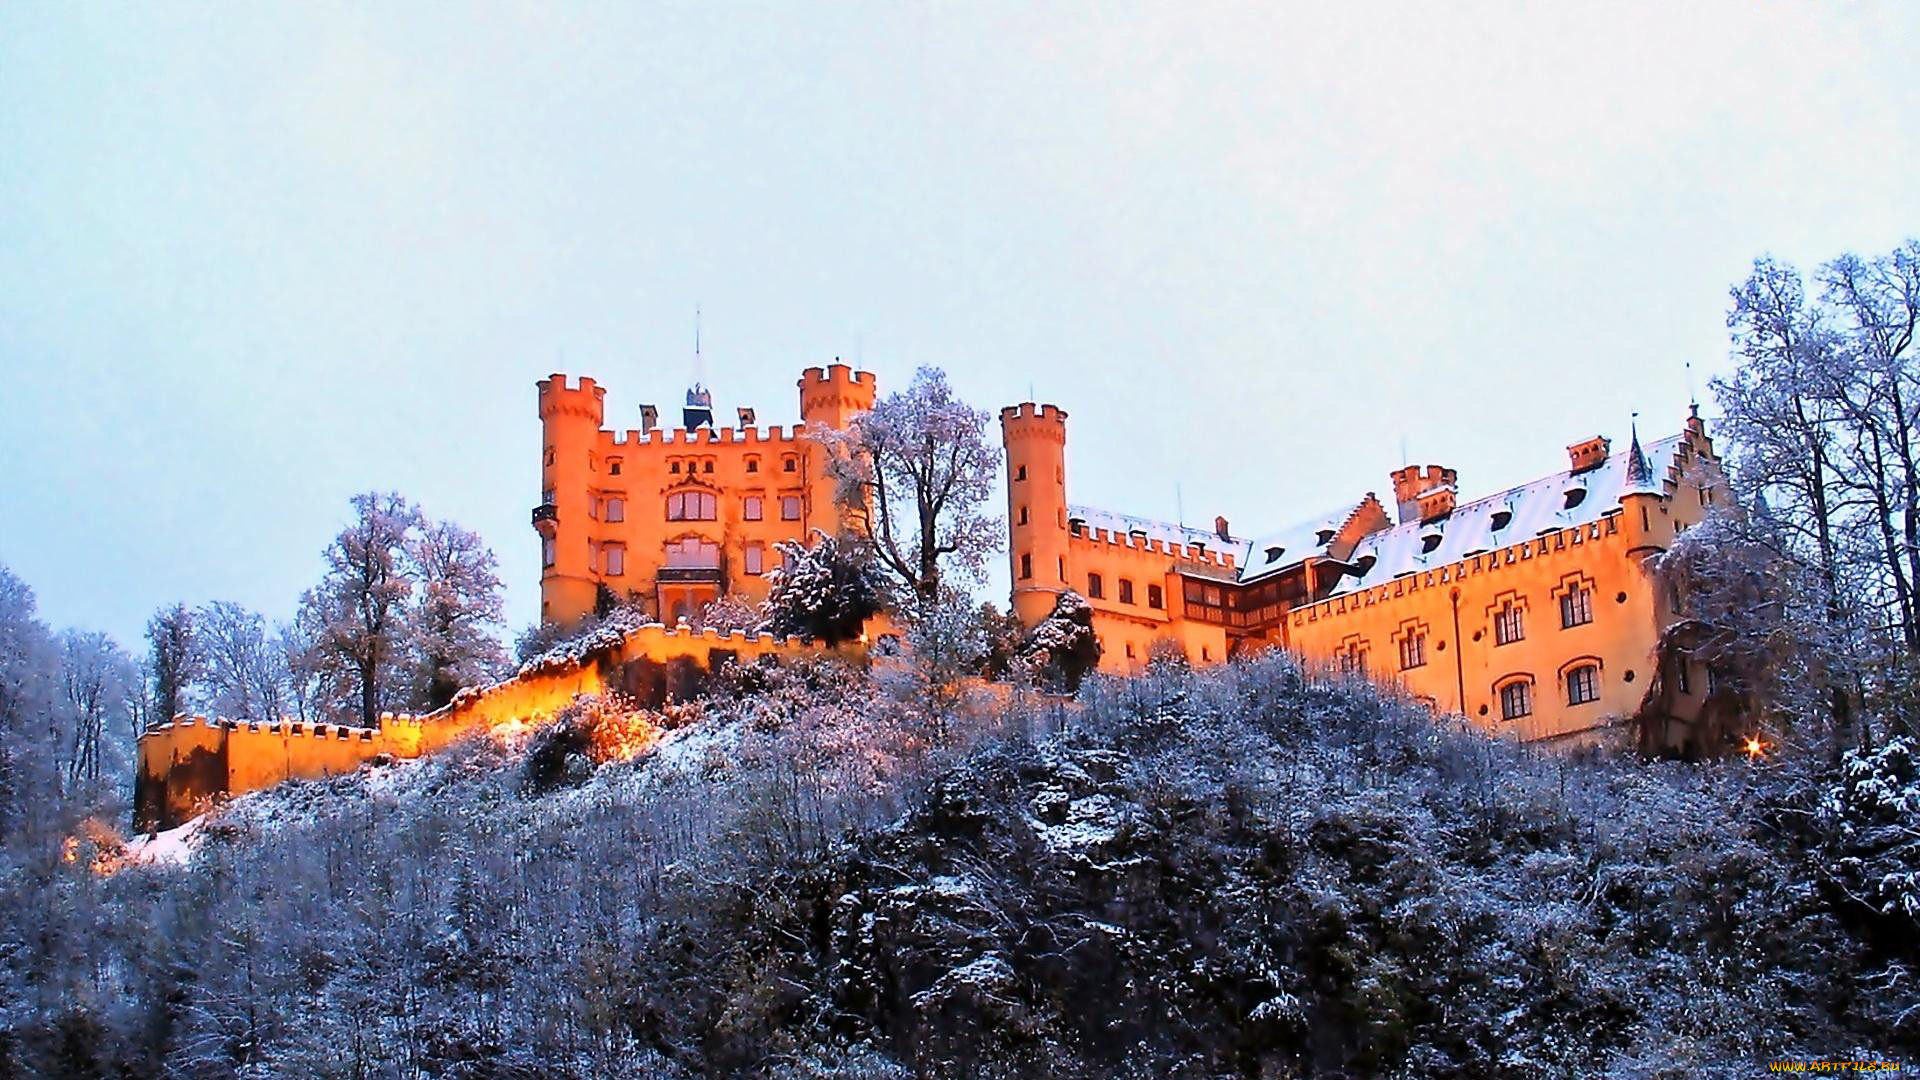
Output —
(1639, 472)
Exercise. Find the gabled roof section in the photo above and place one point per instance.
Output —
(1315, 537)
(1560, 501)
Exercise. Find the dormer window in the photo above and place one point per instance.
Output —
(1364, 565)
(1076, 526)
(1274, 553)
(1429, 542)
(1502, 519)
(1575, 496)
(1324, 536)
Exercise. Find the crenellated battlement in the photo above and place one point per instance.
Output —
(1120, 543)
(1030, 412)
(585, 399)
(836, 376)
(680, 437)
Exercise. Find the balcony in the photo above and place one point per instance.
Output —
(688, 575)
(546, 518)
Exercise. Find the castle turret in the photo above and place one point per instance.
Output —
(1423, 492)
(1644, 514)
(833, 397)
(1035, 437)
(570, 418)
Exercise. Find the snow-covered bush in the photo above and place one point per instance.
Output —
(827, 591)
(1062, 647)
(1873, 811)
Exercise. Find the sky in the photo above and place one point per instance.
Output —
(256, 258)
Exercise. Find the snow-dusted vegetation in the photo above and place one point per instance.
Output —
(1229, 872)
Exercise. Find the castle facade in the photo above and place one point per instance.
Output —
(1531, 611)
(678, 518)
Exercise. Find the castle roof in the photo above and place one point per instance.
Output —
(1293, 544)
(1156, 530)
(1530, 510)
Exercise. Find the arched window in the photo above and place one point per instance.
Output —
(1126, 591)
(1413, 647)
(1576, 605)
(1583, 684)
(1509, 623)
(1095, 589)
(1516, 699)
(691, 506)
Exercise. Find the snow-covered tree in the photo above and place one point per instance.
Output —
(1062, 647)
(455, 619)
(826, 591)
(729, 613)
(946, 644)
(360, 607)
(28, 770)
(245, 672)
(94, 676)
(1822, 420)
(917, 471)
(173, 660)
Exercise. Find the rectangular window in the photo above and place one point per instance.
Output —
(1026, 567)
(789, 508)
(789, 464)
(1516, 700)
(613, 466)
(546, 497)
(1583, 684)
(753, 464)
(546, 551)
(750, 508)
(616, 509)
(1576, 607)
(1023, 515)
(1094, 587)
(616, 560)
(1507, 626)
(691, 506)
(1126, 591)
(1353, 662)
(1155, 599)
(1019, 473)
(756, 557)
(593, 507)
(1413, 650)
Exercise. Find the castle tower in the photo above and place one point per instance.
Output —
(1035, 437)
(829, 400)
(1420, 491)
(570, 420)
(1648, 524)
(832, 398)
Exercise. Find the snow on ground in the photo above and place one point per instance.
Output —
(170, 847)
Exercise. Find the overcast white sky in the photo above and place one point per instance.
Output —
(257, 257)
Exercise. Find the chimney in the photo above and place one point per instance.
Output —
(1220, 528)
(1423, 492)
(1588, 454)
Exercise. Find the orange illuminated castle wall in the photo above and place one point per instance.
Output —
(1531, 611)
(678, 518)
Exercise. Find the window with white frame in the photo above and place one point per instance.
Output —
(1516, 700)
(1509, 624)
(691, 506)
(789, 508)
(616, 508)
(752, 508)
(755, 558)
(1576, 606)
(616, 559)
(1583, 684)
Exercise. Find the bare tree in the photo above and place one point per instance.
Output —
(456, 618)
(94, 673)
(915, 472)
(245, 672)
(359, 609)
(173, 659)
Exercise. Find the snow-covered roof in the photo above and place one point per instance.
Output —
(1155, 530)
(1531, 509)
(1294, 543)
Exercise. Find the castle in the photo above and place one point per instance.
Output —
(1530, 611)
(676, 519)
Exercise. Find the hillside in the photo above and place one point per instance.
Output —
(1236, 872)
